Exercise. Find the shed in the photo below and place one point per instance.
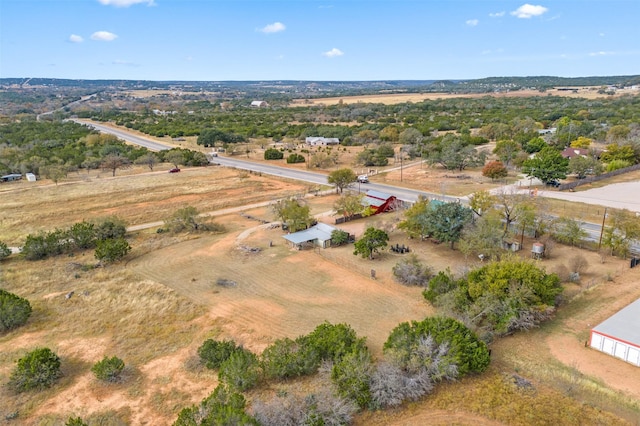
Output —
(619, 335)
(319, 235)
(11, 177)
(30, 177)
(379, 201)
(259, 104)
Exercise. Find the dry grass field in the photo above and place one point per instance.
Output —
(397, 98)
(155, 308)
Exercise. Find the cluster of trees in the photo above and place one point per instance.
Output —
(52, 149)
(498, 298)
(294, 213)
(189, 219)
(106, 237)
(417, 356)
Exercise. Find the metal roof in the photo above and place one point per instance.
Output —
(624, 325)
(380, 195)
(320, 231)
(375, 202)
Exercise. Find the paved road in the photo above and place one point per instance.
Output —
(127, 136)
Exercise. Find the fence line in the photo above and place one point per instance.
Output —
(591, 179)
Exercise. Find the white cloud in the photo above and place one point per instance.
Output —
(103, 36)
(276, 27)
(125, 3)
(472, 22)
(333, 53)
(497, 14)
(601, 53)
(527, 11)
(74, 38)
(601, 34)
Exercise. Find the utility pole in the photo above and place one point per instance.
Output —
(604, 217)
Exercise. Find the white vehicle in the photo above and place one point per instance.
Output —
(363, 179)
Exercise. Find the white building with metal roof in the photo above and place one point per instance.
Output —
(319, 235)
(619, 335)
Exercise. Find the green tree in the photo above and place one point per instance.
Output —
(55, 172)
(567, 230)
(110, 228)
(213, 352)
(390, 134)
(615, 151)
(5, 251)
(175, 157)
(466, 351)
(339, 237)
(371, 242)
(506, 150)
(481, 239)
(108, 369)
(291, 212)
(241, 371)
(286, 358)
(273, 154)
(584, 166)
(14, 311)
(186, 219)
(295, 158)
(111, 250)
(411, 136)
(416, 219)
(342, 178)
(456, 155)
(534, 145)
(447, 220)
(623, 228)
(548, 165)
(352, 376)
(331, 342)
(222, 407)
(38, 369)
(83, 235)
(481, 202)
(349, 204)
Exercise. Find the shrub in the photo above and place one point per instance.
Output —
(38, 369)
(213, 353)
(273, 154)
(495, 170)
(112, 250)
(286, 358)
(241, 371)
(14, 311)
(5, 251)
(465, 350)
(352, 376)
(110, 228)
(43, 245)
(109, 369)
(331, 342)
(75, 421)
(295, 158)
(411, 271)
(339, 237)
(222, 407)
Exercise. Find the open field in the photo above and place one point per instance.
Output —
(157, 307)
(397, 98)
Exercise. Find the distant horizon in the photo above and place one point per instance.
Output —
(317, 40)
(325, 81)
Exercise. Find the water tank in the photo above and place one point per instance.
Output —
(538, 248)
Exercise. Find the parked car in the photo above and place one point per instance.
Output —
(174, 170)
(363, 179)
(553, 183)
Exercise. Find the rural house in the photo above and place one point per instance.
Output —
(619, 335)
(321, 141)
(318, 235)
(574, 152)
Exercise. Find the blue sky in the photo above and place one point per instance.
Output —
(317, 40)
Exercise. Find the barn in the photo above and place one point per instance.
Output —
(379, 202)
(317, 235)
(619, 335)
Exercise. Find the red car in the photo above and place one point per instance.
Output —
(176, 170)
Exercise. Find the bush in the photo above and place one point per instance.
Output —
(112, 250)
(222, 407)
(241, 371)
(38, 369)
(213, 353)
(43, 245)
(295, 158)
(14, 311)
(5, 251)
(411, 271)
(109, 369)
(110, 228)
(339, 237)
(75, 421)
(352, 376)
(332, 342)
(273, 154)
(286, 358)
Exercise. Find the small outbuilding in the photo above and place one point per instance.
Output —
(10, 178)
(30, 177)
(379, 202)
(259, 104)
(619, 335)
(318, 235)
(321, 141)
